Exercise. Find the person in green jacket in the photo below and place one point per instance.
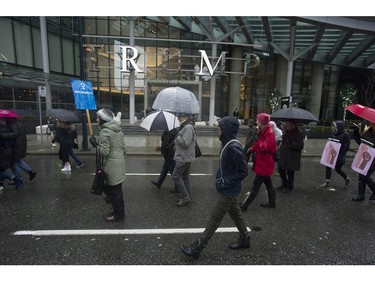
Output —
(111, 146)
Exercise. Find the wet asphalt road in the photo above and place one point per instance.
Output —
(311, 226)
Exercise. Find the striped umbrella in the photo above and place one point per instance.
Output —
(159, 121)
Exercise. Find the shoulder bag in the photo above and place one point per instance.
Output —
(97, 187)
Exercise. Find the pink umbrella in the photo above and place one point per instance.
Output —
(362, 111)
(4, 113)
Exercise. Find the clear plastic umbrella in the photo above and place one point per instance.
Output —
(178, 100)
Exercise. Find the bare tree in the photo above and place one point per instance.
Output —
(368, 88)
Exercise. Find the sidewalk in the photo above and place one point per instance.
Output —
(149, 144)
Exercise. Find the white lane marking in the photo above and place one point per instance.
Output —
(119, 231)
(150, 174)
(156, 174)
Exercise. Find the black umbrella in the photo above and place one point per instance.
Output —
(294, 113)
(62, 115)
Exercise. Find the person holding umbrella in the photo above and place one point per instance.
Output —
(17, 134)
(338, 131)
(167, 150)
(63, 138)
(369, 137)
(290, 151)
(184, 156)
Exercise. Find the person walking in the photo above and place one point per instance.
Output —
(17, 133)
(167, 150)
(367, 137)
(73, 134)
(290, 151)
(236, 113)
(278, 135)
(339, 134)
(63, 138)
(250, 139)
(111, 146)
(278, 132)
(184, 156)
(6, 157)
(232, 171)
(264, 148)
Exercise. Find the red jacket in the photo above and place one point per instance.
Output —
(264, 148)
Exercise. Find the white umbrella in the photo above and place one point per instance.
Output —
(176, 99)
(160, 121)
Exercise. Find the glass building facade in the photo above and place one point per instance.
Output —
(167, 55)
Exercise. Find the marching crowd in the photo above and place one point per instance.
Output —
(266, 146)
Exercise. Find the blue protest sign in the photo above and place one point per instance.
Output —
(83, 94)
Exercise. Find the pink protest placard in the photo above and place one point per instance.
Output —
(363, 159)
(330, 154)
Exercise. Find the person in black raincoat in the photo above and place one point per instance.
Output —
(338, 133)
(290, 151)
(167, 150)
(232, 171)
(63, 138)
(369, 137)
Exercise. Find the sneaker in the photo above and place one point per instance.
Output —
(183, 202)
(1, 189)
(18, 181)
(324, 184)
(358, 198)
(347, 181)
(66, 169)
(115, 218)
(79, 166)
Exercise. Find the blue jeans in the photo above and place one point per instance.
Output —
(20, 164)
(72, 154)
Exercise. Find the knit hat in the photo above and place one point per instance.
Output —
(263, 118)
(105, 114)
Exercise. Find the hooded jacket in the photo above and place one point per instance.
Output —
(233, 167)
(111, 146)
(344, 139)
(264, 148)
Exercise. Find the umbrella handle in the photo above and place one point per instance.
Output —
(89, 121)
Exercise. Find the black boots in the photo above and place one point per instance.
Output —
(32, 175)
(194, 250)
(243, 242)
(271, 200)
(156, 184)
(247, 201)
(361, 192)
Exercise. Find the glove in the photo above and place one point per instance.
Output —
(93, 141)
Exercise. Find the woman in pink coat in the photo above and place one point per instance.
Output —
(264, 148)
